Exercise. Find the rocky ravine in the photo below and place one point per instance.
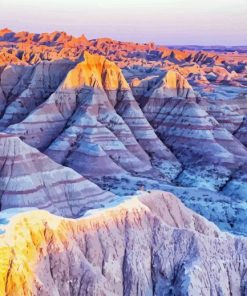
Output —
(149, 245)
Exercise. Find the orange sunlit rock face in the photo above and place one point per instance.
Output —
(96, 71)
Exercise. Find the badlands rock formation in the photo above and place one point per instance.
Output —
(150, 245)
(84, 116)
(29, 178)
(208, 152)
(125, 116)
(92, 118)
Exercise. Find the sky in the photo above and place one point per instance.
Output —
(165, 22)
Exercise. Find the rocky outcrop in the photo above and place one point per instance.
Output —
(93, 119)
(208, 152)
(92, 123)
(29, 178)
(172, 85)
(149, 245)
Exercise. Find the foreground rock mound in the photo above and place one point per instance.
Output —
(28, 178)
(151, 245)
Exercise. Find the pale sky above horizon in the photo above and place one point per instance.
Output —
(166, 22)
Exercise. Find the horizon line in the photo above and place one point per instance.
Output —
(130, 41)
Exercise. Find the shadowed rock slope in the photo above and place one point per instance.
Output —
(241, 133)
(150, 245)
(23, 88)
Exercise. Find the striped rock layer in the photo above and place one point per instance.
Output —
(28, 178)
(209, 153)
(93, 124)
